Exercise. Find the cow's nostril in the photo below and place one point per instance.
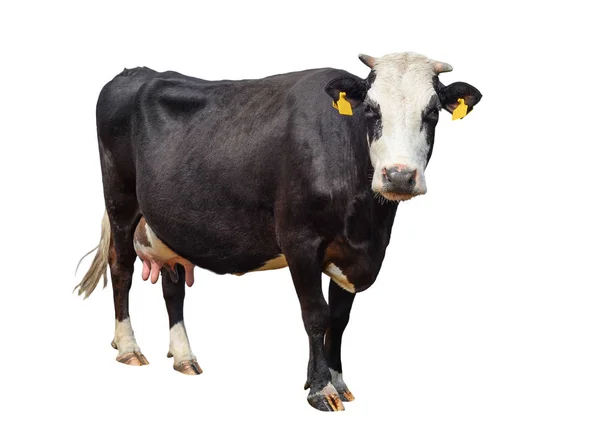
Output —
(385, 174)
(411, 180)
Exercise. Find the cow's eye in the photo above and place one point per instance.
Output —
(370, 111)
(432, 115)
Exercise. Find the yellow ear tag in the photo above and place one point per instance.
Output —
(343, 106)
(460, 111)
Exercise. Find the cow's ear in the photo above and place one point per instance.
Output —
(355, 89)
(449, 95)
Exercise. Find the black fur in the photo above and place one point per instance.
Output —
(230, 174)
(429, 118)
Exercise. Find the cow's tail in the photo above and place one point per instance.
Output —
(98, 268)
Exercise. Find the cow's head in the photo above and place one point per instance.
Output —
(401, 99)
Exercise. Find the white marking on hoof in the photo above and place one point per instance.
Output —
(328, 390)
(124, 337)
(179, 345)
(339, 277)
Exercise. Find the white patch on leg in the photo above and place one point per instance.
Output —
(179, 344)
(124, 338)
(339, 277)
(337, 380)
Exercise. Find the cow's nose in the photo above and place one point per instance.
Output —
(400, 179)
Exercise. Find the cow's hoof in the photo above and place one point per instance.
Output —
(327, 399)
(338, 382)
(133, 359)
(169, 355)
(188, 367)
(346, 396)
(130, 358)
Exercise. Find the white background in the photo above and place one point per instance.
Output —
(485, 316)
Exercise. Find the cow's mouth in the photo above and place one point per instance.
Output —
(391, 196)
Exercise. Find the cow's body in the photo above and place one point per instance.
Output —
(224, 170)
(238, 176)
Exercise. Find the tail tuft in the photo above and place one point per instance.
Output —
(100, 262)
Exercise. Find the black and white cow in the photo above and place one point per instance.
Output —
(238, 176)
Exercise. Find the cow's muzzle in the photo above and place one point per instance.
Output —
(401, 182)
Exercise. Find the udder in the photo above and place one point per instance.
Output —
(156, 255)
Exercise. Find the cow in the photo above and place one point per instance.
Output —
(301, 170)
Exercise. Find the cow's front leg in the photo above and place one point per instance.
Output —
(340, 303)
(173, 284)
(305, 268)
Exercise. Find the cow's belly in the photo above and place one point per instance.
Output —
(218, 223)
(156, 255)
(218, 257)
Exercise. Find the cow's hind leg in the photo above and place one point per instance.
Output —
(340, 303)
(123, 220)
(305, 267)
(184, 360)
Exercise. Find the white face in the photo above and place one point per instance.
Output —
(407, 105)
